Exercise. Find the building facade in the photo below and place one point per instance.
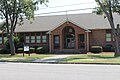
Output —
(77, 34)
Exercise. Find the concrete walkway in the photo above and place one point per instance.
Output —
(54, 58)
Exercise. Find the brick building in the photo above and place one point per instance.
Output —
(71, 33)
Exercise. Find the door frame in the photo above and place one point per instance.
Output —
(66, 43)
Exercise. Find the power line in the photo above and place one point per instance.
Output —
(67, 5)
(65, 11)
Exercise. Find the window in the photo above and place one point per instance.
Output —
(44, 38)
(21, 36)
(0, 39)
(56, 41)
(38, 38)
(27, 38)
(81, 41)
(5, 39)
(32, 39)
(70, 30)
(108, 37)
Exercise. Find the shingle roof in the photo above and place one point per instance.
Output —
(47, 23)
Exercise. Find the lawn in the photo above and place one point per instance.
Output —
(20, 58)
(101, 58)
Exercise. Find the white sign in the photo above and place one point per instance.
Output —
(26, 48)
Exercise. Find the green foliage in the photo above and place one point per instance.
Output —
(108, 48)
(13, 12)
(18, 9)
(32, 49)
(108, 7)
(16, 42)
(96, 49)
(98, 11)
(42, 49)
(113, 5)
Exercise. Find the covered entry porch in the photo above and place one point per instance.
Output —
(69, 38)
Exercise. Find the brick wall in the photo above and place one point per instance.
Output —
(59, 31)
(97, 37)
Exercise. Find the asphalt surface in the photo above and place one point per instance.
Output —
(33, 71)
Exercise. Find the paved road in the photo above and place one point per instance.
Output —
(19, 71)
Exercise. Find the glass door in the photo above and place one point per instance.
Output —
(70, 43)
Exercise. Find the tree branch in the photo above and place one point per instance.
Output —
(109, 16)
(2, 12)
(6, 16)
(13, 22)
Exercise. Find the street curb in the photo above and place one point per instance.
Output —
(62, 63)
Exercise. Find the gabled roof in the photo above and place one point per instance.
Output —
(86, 21)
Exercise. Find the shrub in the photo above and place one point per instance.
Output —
(42, 49)
(96, 49)
(108, 48)
(20, 50)
(16, 42)
(32, 49)
(1, 50)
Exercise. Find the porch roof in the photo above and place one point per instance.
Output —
(47, 23)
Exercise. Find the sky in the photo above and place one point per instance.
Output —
(66, 7)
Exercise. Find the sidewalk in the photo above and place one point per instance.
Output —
(54, 58)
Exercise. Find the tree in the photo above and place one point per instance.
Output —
(16, 42)
(108, 7)
(13, 12)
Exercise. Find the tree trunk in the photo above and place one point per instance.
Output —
(12, 46)
(111, 21)
(117, 50)
(117, 46)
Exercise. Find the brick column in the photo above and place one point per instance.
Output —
(50, 43)
(76, 41)
(61, 44)
(87, 41)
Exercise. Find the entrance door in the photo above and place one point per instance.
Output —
(70, 43)
(69, 37)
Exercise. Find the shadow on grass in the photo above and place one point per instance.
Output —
(89, 56)
(102, 57)
(9, 56)
(5, 56)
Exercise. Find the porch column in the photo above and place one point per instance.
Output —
(61, 46)
(76, 41)
(87, 35)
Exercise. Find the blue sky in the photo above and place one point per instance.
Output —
(54, 6)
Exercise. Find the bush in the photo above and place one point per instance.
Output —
(96, 49)
(5, 50)
(16, 42)
(108, 48)
(1, 50)
(20, 50)
(42, 49)
(32, 49)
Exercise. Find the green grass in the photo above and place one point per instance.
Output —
(20, 58)
(93, 58)
(102, 58)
